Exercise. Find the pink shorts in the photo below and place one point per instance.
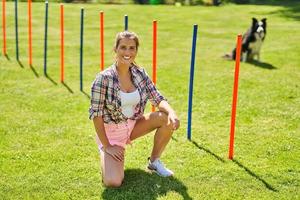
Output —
(117, 134)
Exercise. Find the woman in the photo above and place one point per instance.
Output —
(118, 99)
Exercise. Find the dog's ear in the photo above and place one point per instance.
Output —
(254, 21)
(264, 21)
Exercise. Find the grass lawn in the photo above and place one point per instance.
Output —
(47, 142)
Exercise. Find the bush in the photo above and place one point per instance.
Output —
(241, 1)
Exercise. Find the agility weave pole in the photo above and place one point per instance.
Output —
(235, 93)
(126, 22)
(81, 48)
(29, 33)
(154, 54)
(189, 127)
(16, 30)
(4, 27)
(46, 38)
(101, 40)
(62, 69)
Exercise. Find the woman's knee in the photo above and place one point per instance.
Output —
(162, 118)
(110, 182)
(164, 121)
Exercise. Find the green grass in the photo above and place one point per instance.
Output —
(47, 142)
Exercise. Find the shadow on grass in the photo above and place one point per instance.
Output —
(291, 12)
(87, 95)
(20, 63)
(50, 79)
(267, 185)
(68, 88)
(208, 151)
(261, 64)
(139, 184)
(173, 138)
(34, 72)
(291, 8)
(7, 57)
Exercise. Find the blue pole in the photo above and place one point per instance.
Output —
(16, 28)
(126, 22)
(81, 47)
(189, 134)
(45, 40)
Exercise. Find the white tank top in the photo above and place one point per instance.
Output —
(129, 101)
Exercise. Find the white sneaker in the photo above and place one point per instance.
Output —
(159, 168)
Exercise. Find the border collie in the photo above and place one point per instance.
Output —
(252, 41)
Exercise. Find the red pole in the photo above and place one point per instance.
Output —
(235, 93)
(102, 40)
(29, 32)
(62, 43)
(154, 55)
(4, 27)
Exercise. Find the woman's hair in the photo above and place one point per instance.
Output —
(126, 34)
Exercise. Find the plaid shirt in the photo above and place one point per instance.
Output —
(105, 94)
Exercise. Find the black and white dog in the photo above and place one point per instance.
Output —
(252, 41)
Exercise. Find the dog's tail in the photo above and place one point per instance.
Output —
(227, 56)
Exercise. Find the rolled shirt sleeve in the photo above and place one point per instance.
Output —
(98, 93)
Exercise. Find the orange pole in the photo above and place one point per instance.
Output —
(61, 43)
(4, 27)
(154, 55)
(29, 32)
(102, 40)
(235, 93)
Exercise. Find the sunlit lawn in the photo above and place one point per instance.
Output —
(47, 142)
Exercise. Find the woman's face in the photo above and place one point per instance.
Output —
(126, 51)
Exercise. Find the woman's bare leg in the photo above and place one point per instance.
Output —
(112, 170)
(156, 120)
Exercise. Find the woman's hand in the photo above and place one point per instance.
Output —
(117, 152)
(173, 119)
